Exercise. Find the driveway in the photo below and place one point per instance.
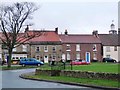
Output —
(10, 79)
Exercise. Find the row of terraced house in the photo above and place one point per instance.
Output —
(51, 46)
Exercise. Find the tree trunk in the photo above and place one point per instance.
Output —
(9, 57)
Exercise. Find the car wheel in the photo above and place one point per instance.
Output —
(38, 64)
(23, 65)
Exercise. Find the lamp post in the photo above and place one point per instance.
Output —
(71, 65)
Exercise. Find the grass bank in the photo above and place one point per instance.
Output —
(86, 81)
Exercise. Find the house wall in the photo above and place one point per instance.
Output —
(49, 54)
(83, 49)
(118, 53)
(18, 56)
(0, 51)
(18, 52)
(112, 53)
(20, 48)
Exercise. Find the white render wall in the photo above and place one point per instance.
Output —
(113, 54)
(19, 55)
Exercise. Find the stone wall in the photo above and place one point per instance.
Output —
(79, 74)
(94, 75)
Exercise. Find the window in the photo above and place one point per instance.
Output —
(46, 48)
(107, 49)
(38, 57)
(68, 56)
(94, 55)
(37, 49)
(13, 58)
(21, 57)
(115, 48)
(107, 56)
(54, 48)
(68, 47)
(77, 56)
(17, 57)
(94, 47)
(54, 57)
(78, 47)
(24, 48)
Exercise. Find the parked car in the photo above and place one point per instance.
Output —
(109, 60)
(79, 62)
(30, 61)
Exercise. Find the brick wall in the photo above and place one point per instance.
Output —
(83, 49)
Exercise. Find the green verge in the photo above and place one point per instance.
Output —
(86, 81)
(16, 67)
(94, 67)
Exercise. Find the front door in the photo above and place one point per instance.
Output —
(87, 56)
(45, 59)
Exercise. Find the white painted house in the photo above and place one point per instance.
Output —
(111, 48)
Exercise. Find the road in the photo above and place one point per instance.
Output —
(11, 79)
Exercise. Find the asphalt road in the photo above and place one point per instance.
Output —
(11, 79)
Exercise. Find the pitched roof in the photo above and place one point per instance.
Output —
(79, 38)
(46, 36)
(109, 39)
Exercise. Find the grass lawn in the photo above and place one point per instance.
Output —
(95, 67)
(13, 67)
(98, 82)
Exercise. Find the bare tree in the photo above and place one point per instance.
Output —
(12, 19)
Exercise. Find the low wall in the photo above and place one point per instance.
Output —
(79, 74)
(48, 72)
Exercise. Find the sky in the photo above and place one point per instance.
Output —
(77, 16)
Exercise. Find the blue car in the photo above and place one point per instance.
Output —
(30, 61)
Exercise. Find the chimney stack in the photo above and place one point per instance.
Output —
(66, 32)
(56, 30)
(95, 33)
(27, 28)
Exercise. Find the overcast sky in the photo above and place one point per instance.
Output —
(77, 16)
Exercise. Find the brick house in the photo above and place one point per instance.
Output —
(81, 46)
